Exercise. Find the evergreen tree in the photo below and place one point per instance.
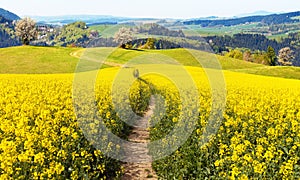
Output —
(271, 55)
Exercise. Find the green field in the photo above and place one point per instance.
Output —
(38, 60)
(107, 31)
(219, 31)
(53, 60)
(275, 71)
(185, 58)
(32, 60)
(244, 28)
(278, 37)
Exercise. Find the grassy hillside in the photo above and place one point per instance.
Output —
(38, 60)
(53, 60)
(185, 58)
(28, 59)
(216, 31)
(182, 56)
(107, 31)
(275, 71)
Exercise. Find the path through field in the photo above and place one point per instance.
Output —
(139, 134)
(79, 53)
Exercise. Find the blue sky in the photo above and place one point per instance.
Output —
(147, 8)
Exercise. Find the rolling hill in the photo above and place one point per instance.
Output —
(36, 60)
(53, 60)
(89, 19)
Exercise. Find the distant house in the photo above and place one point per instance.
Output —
(94, 34)
(44, 30)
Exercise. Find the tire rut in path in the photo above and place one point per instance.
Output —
(138, 171)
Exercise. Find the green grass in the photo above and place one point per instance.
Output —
(55, 60)
(278, 37)
(177, 56)
(193, 30)
(39, 60)
(100, 28)
(186, 58)
(218, 31)
(107, 31)
(274, 71)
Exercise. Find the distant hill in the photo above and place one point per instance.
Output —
(8, 15)
(88, 19)
(4, 20)
(268, 19)
(256, 13)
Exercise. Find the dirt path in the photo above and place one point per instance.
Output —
(78, 54)
(139, 138)
(138, 171)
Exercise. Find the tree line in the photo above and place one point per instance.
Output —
(269, 57)
(255, 43)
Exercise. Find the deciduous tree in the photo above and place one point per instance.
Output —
(123, 37)
(26, 30)
(285, 56)
(235, 53)
(247, 56)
